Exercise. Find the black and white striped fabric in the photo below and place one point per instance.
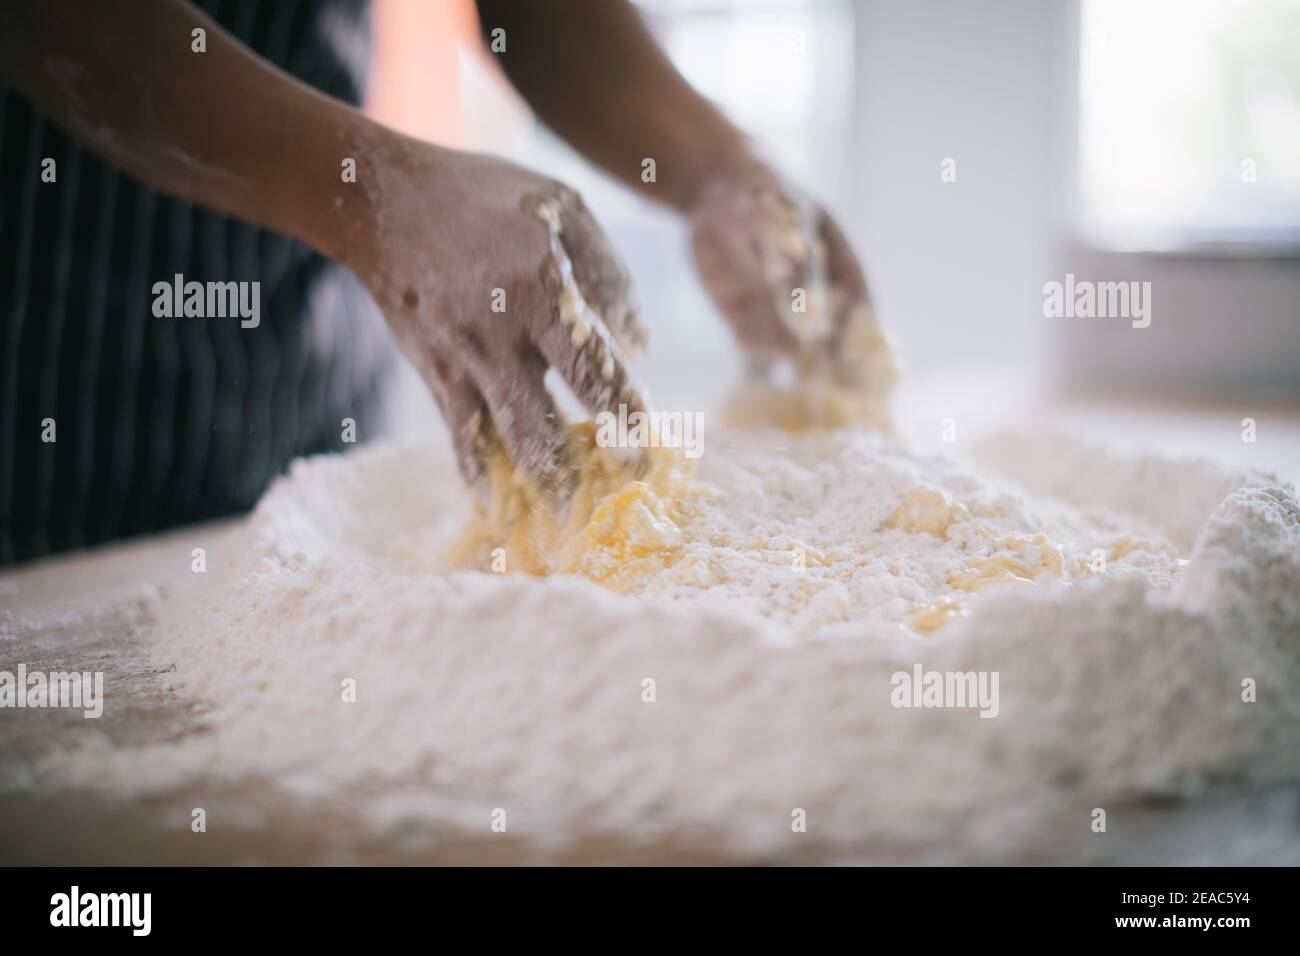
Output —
(159, 422)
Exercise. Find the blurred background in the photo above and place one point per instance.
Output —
(974, 152)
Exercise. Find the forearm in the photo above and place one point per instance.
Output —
(594, 74)
(222, 128)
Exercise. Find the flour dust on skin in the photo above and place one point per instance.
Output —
(699, 659)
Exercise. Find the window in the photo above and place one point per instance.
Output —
(781, 69)
(1189, 124)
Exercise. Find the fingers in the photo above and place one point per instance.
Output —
(600, 274)
(495, 392)
(760, 252)
(842, 266)
(577, 344)
(849, 296)
(462, 409)
(730, 260)
(522, 413)
(466, 415)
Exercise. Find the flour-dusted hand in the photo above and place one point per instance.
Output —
(489, 275)
(775, 263)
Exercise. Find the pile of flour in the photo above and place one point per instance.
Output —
(745, 684)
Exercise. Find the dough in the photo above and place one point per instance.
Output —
(691, 658)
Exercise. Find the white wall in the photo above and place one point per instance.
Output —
(958, 268)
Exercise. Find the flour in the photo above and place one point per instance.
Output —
(744, 673)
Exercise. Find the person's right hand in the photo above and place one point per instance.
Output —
(490, 274)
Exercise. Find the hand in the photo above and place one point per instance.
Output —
(489, 275)
(776, 265)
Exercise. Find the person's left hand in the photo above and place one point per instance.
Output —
(775, 263)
